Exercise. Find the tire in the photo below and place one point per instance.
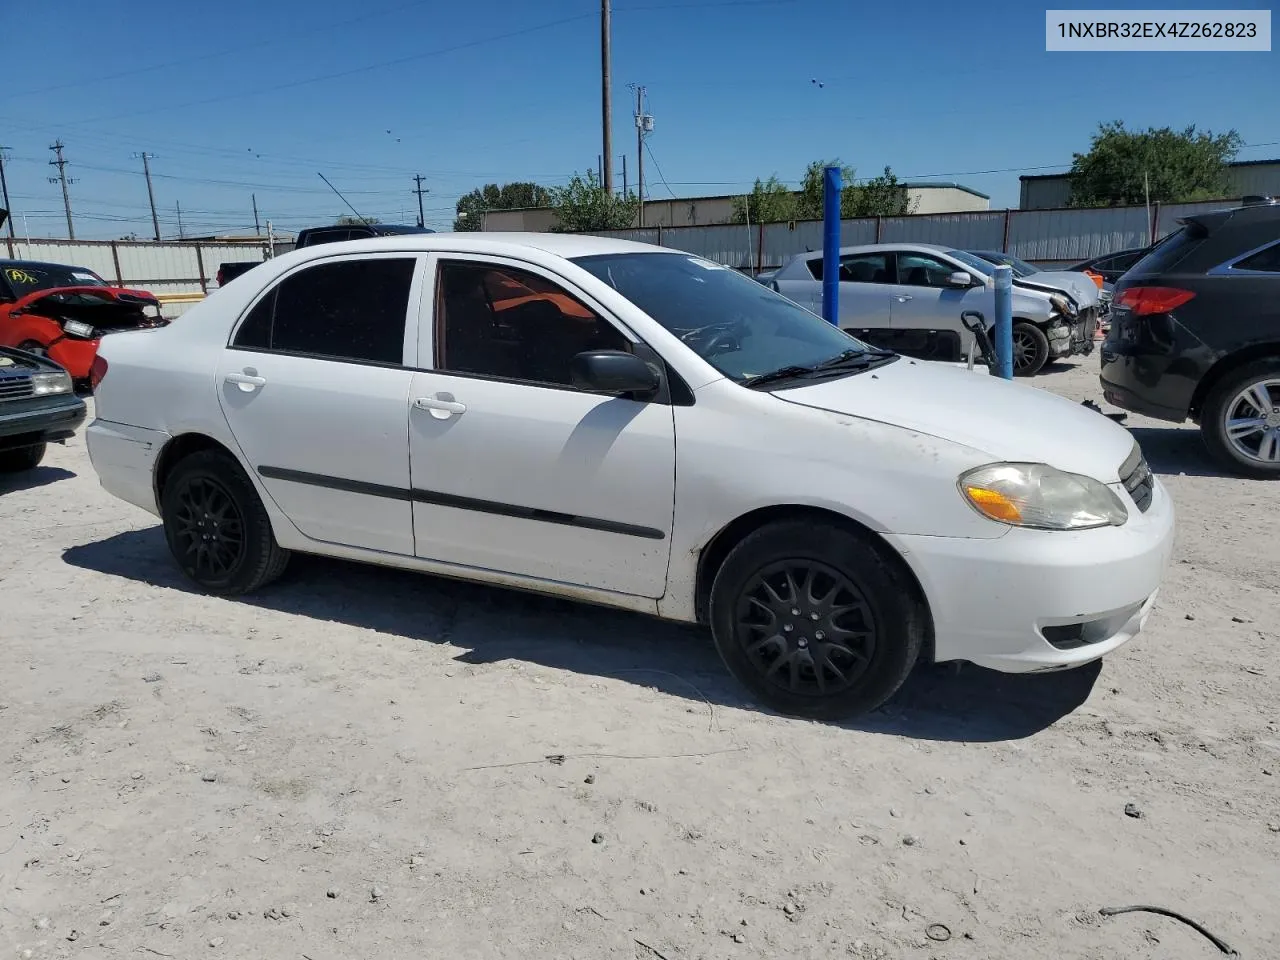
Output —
(883, 619)
(31, 346)
(1030, 349)
(216, 527)
(22, 458)
(1255, 454)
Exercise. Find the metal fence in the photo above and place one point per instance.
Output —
(1044, 237)
(179, 274)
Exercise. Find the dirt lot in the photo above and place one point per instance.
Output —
(365, 763)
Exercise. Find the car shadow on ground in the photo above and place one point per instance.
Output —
(940, 702)
(31, 479)
(1175, 450)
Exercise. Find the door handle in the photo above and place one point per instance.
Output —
(903, 297)
(248, 382)
(439, 408)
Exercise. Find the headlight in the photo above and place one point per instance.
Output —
(1063, 305)
(78, 329)
(1037, 495)
(50, 383)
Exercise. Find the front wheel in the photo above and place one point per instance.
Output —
(217, 529)
(1240, 422)
(815, 621)
(32, 347)
(1030, 349)
(23, 458)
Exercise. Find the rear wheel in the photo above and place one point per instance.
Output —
(1030, 349)
(23, 458)
(1240, 422)
(216, 526)
(815, 620)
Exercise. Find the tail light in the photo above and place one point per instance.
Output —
(1144, 301)
(97, 370)
(220, 281)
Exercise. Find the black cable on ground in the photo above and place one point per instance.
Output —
(1164, 911)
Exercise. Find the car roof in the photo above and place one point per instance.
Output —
(46, 265)
(883, 248)
(567, 245)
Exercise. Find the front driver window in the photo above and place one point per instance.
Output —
(499, 321)
(920, 270)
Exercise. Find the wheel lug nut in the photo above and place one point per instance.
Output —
(813, 616)
(795, 611)
(787, 628)
(819, 635)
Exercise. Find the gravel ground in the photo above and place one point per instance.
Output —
(368, 763)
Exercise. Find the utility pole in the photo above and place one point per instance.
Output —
(640, 131)
(61, 164)
(606, 99)
(419, 190)
(181, 233)
(624, 176)
(4, 191)
(146, 170)
(257, 230)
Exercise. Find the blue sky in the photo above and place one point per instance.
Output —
(245, 97)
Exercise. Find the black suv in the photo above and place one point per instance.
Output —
(1195, 333)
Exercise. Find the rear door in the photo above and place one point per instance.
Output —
(315, 389)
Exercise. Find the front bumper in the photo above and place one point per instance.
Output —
(998, 603)
(39, 420)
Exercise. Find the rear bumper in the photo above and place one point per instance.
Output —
(124, 458)
(1141, 383)
(47, 422)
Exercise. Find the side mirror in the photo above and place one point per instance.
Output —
(960, 279)
(612, 371)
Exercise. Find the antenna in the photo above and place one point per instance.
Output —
(359, 216)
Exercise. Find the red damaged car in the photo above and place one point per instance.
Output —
(62, 312)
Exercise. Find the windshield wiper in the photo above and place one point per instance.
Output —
(790, 372)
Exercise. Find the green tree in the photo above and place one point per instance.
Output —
(770, 201)
(347, 220)
(1179, 165)
(585, 205)
(882, 196)
(471, 207)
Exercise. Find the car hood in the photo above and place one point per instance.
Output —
(108, 303)
(1003, 419)
(1078, 286)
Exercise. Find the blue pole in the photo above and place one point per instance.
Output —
(832, 184)
(1004, 320)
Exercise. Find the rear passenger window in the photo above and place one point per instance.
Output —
(1266, 261)
(348, 310)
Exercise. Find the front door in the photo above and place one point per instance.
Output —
(513, 469)
(316, 393)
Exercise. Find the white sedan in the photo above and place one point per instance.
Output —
(641, 428)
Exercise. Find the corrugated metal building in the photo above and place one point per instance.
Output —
(1048, 191)
(925, 197)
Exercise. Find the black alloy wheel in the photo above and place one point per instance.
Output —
(816, 618)
(216, 526)
(208, 529)
(806, 627)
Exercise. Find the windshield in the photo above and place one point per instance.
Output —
(983, 267)
(740, 327)
(1020, 267)
(27, 278)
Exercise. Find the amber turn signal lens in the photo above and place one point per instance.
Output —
(995, 505)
